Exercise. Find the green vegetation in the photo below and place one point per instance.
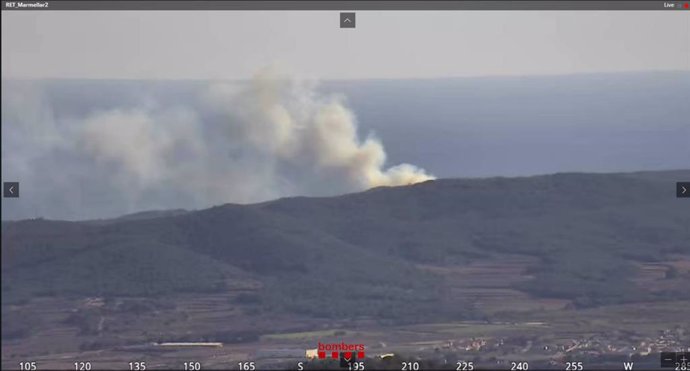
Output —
(16, 324)
(128, 268)
(357, 255)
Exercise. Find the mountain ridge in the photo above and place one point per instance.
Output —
(587, 234)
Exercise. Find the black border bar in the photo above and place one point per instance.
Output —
(344, 5)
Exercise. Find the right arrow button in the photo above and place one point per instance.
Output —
(683, 189)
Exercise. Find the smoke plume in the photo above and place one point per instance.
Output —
(84, 157)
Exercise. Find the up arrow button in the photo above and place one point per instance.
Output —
(347, 20)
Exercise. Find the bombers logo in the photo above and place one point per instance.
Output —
(342, 350)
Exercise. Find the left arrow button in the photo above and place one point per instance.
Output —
(10, 189)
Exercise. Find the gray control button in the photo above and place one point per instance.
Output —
(347, 20)
(10, 189)
(683, 189)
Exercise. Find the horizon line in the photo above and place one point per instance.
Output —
(249, 204)
(357, 79)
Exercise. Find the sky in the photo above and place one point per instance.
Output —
(310, 44)
(100, 116)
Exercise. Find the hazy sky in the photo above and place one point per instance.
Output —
(392, 44)
(96, 148)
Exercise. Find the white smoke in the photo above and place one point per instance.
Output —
(243, 143)
(288, 121)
